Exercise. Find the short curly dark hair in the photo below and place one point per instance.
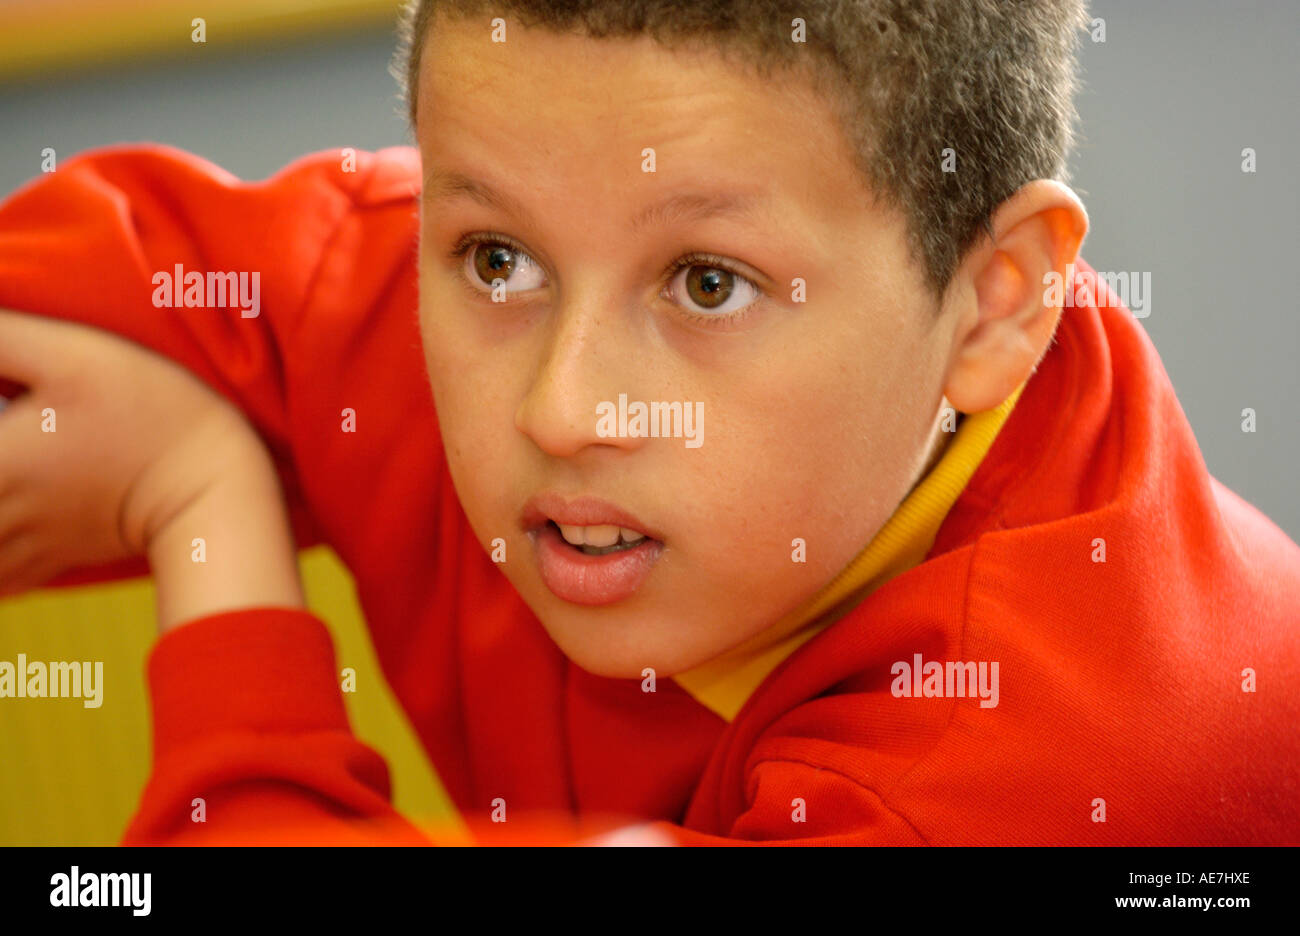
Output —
(991, 80)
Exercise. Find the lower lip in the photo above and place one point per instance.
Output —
(592, 580)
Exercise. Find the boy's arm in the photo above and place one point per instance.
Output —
(252, 743)
(250, 733)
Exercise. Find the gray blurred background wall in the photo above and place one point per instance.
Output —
(1171, 98)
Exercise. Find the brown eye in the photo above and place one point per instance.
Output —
(485, 262)
(709, 286)
(702, 287)
(493, 261)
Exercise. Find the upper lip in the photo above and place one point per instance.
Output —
(580, 511)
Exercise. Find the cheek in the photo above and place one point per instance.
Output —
(813, 471)
(819, 450)
(466, 374)
(780, 474)
(475, 416)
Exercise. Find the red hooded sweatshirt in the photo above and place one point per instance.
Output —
(1150, 698)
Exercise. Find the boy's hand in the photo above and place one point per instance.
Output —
(111, 451)
(108, 440)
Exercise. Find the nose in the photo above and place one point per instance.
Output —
(588, 358)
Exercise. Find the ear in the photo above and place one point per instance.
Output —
(1003, 325)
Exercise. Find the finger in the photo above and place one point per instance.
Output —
(25, 564)
(21, 446)
(17, 553)
(32, 574)
(15, 516)
(32, 348)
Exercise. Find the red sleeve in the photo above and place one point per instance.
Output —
(251, 736)
(252, 746)
(86, 242)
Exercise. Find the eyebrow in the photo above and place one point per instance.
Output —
(685, 206)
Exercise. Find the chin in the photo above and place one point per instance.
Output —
(608, 643)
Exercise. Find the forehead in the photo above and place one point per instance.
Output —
(544, 114)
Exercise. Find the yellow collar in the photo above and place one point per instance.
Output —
(726, 682)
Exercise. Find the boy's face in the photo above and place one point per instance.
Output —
(813, 418)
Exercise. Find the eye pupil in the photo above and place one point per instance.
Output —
(497, 262)
(709, 286)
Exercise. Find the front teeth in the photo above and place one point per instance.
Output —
(600, 536)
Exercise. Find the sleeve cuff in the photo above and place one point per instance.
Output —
(266, 670)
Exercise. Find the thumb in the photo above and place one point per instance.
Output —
(20, 431)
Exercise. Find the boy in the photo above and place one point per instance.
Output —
(806, 610)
